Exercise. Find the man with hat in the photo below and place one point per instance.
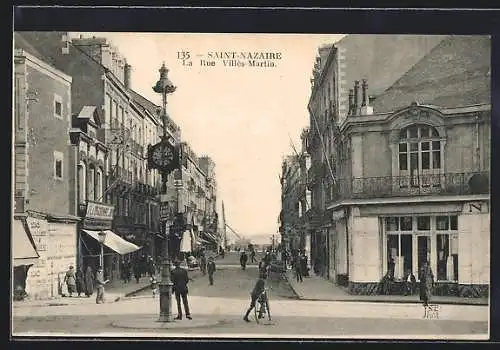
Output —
(180, 279)
(100, 282)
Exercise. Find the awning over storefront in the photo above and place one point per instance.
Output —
(114, 242)
(23, 250)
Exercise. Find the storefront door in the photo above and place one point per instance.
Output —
(423, 252)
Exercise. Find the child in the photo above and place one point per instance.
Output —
(211, 269)
(154, 285)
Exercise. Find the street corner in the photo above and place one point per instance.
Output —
(151, 322)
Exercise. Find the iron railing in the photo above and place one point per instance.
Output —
(407, 186)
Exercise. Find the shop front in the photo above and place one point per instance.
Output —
(98, 241)
(393, 240)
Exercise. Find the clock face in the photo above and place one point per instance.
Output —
(162, 156)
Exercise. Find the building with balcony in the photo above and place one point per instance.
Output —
(106, 131)
(44, 229)
(412, 178)
(379, 59)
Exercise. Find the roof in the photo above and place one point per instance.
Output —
(455, 73)
(382, 58)
(22, 43)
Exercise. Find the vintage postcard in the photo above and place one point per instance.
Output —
(306, 186)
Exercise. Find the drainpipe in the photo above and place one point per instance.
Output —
(347, 244)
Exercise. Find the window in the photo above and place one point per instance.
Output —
(58, 165)
(108, 104)
(91, 183)
(98, 185)
(447, 248)
(58, 106)
(419, 156)
(82, 178)
(423, 223)
(399, 245)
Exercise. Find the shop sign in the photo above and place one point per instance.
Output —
(99, 211)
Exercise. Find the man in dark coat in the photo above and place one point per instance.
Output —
(211, 270)
(180, 279)
(243, 260)
(426, 278)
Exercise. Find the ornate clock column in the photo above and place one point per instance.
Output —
(164, 157)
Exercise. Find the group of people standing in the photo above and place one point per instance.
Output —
(139, 267)
(79, 282)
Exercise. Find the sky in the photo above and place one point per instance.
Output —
(242, 117)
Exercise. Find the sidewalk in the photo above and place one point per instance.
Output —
(113, 292)
(318, 288)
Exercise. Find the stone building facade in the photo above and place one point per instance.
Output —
(43, 170)
(420, 138)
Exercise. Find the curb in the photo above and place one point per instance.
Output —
(397, 301)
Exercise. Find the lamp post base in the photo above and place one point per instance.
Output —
(165, 294)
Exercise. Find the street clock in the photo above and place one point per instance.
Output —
(163, 156)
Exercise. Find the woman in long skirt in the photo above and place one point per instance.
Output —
(89, 282)
(80, 284)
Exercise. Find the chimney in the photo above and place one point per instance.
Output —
(366, 109)
(351, 102)
(356, 97)
(364, 86)
(127, 70)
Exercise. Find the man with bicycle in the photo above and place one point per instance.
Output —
(257, 292)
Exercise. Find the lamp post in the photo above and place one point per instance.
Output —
(102, 239)
(164, 86)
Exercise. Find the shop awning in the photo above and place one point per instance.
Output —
(114, 242)
(23, 250)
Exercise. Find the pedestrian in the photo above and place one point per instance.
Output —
(257, 291)
(70, 280)
(137, 271)
(252, 256)
(80, 284)
(100, 282)
(298, 270)
(180, 279)
(243, 260)
(211, 270)
(303, 264)
(409, 283)
(89, 282)
(203, 264)
(426, 278)
(154, 286)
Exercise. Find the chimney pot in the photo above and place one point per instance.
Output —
(356, 97)
(351, 101)
(127, 72)
(364, 88)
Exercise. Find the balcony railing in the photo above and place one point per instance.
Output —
(406, 186)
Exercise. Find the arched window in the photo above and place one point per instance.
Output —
(420, 156)
(91, 183)
(82, 178)
(98, 185)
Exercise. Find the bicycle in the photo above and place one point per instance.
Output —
(262, 308)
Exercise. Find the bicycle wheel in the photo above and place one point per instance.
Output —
(256, 312)
(268, 310)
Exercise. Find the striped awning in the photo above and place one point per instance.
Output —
(114, 242)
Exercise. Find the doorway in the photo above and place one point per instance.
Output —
(423, 252)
